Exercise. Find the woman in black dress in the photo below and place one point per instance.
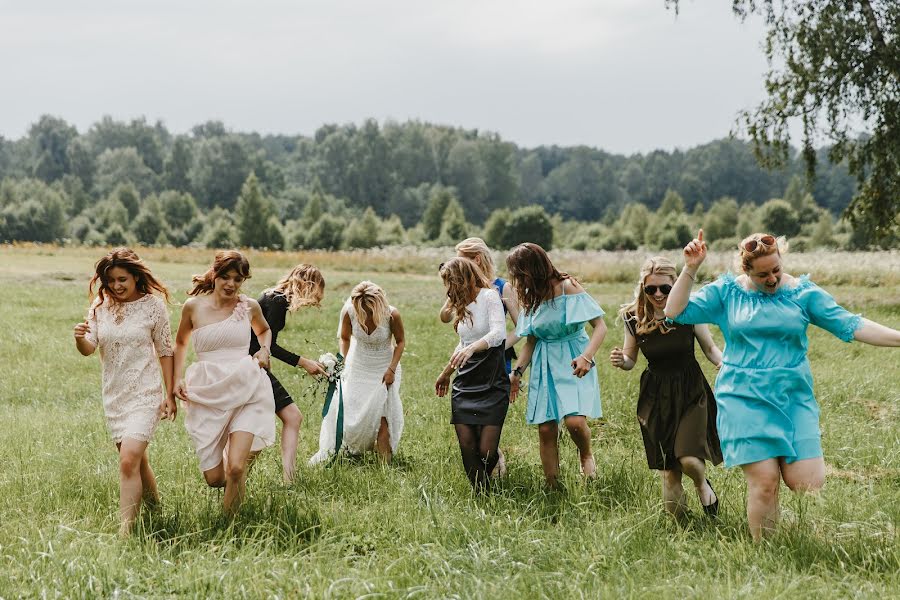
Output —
(303, 286)
(676, 408)
(480, 396)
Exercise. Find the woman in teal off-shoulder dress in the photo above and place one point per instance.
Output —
(563, 385)
(768, 417)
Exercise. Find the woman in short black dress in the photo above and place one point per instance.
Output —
(303, 286)
(480, 395)
(676, 408)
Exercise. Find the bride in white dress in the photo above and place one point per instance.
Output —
(371, 337)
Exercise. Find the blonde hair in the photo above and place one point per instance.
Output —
(463, 280)
(368, 299)
(476, 250)
(303, 286)
(639, 312)
(745, 258)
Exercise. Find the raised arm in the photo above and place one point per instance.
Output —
(694, 255)
(708, 345)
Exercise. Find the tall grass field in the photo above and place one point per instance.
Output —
(413, 529)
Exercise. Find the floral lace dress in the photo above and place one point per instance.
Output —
(131, 336)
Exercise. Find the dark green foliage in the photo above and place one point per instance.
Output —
(433, 219)
(252, 215)
(778, 218)
(362, 232)
(453, 226)
(528, 224)
(326, 233)
(495, 228)
(50, 144)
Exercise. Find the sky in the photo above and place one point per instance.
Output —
(626, 76)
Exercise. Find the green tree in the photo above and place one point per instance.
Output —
(50, 138)
(123, 165)
(495, 228)
(177, 166)
(219, 231)
(128, 195)
(433, 219)
(778, 218)
(362, 232)
(454, 227)
(529, 224)
(823, 234)
(721, 219)
(326, 233)
(219, 169)
(150, 222)
(179, 208)
(252, 215)
(672, 204)
(834, 67)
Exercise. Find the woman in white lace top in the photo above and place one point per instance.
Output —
(480, 395)
(130, 326)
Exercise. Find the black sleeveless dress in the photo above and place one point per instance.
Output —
(676, 407)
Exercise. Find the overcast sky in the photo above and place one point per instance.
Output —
(622, 75)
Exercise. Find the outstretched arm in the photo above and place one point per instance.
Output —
(870, 332)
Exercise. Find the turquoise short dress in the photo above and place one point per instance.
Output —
(553, 391)
(764, 391)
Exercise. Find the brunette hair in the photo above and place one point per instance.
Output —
(368, 299)
(639, 311)
(746, 257)
(303, 286)
(124, 258)
(532, 274)
(226, 260)
(475, 249)
(463, 280)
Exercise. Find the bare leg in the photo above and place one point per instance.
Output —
(581, 435)
(131, 454)
(239, 444)
(763, 478)
(383, 442)
(548, 435)
(695, 468)
(673, 492)
(807, 475)
(292, 418)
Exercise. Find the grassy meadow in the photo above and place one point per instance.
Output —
(413, 529)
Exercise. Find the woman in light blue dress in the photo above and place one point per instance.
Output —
(768, 418)
(563, 384)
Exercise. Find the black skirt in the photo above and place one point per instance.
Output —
(480, 393)
(282, 398)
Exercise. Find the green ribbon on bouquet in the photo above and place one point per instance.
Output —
(329, 396)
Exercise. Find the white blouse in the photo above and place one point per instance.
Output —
(488, 321)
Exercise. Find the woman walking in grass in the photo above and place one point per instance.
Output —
(129, 323)
(676, 408)
(227, 394)
(563, 385)
(768, 418)
(480, 396)
(371, 336)
(303, 286)
(477, 251)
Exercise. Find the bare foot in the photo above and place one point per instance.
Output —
(589, 467)
(500, 468)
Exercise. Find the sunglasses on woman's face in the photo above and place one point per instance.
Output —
(766, 240)
(650, 290)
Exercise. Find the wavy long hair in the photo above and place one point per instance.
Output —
(124, 258)
(303, 286)
(225, 260)
(476, 250)
(463, 280)
(745, 257)
(640, 310)
(532, 274)
(368, 299)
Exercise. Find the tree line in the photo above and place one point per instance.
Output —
(359, 186)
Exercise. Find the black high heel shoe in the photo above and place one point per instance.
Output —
(711, 510)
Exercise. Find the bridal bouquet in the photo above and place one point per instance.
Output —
(334, 365)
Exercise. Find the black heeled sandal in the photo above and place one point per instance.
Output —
(711, 510)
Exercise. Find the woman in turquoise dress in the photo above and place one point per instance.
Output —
(563, 385)
(768, 418)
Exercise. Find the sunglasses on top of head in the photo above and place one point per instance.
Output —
(650, 290)
(766, 240)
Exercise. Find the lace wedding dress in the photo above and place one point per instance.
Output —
(366, 398)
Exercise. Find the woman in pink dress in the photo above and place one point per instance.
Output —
(230, 410)
(129, 323)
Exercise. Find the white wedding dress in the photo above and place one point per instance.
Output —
(366, 398)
